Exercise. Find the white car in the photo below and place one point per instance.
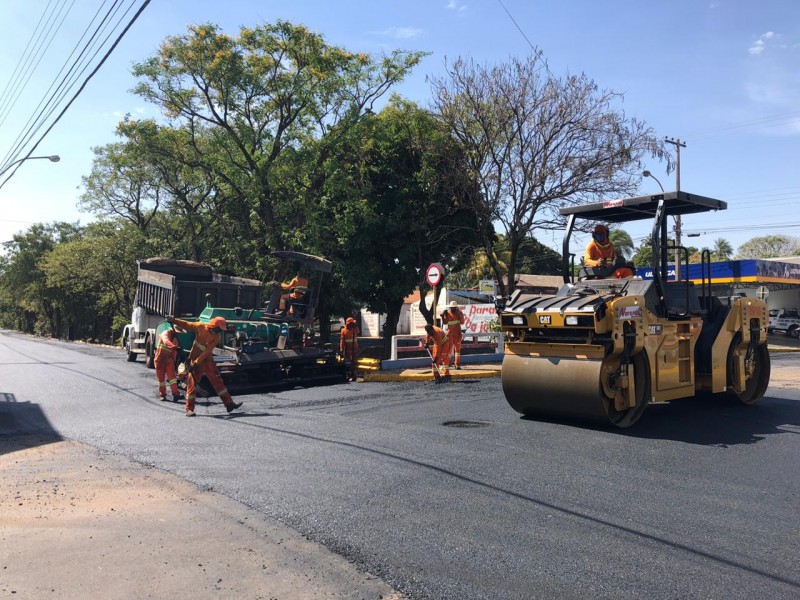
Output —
(786, 320)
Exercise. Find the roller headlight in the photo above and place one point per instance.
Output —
(518, 320)
(571, 320)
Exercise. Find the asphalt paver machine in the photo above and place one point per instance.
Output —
(605, 348)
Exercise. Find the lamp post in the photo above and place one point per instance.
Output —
(52, 158)
(649, 174)
(677, 229)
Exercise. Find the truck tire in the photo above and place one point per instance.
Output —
(126, 345)
(149, 354)
(794, 332)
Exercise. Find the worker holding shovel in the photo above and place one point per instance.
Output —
(440, 356)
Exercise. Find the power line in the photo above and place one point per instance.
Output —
(64, 90)
(36, 121)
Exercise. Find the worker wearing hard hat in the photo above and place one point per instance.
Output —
(601, 255)
(348, 346)
(453, 318)
(201, 361)
(599, 251)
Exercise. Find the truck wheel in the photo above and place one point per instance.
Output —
(149, 355)
(794, 332)
(126, 345)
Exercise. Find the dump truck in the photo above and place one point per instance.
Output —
(182, 288)
(266, 345)
(603, 348)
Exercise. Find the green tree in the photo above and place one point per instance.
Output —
(537, 142)
(94, 277)
(27, 303)
(623, 243)
(537, 259)
(393, 194)
(644, 253)
(252, 105)
(722, 250)
(769, 246)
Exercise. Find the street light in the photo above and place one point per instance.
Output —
(677, 229)
(53, 158)
(649, 174)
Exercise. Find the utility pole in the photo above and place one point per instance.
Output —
(678, 145)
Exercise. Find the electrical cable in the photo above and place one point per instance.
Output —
(83, 85)
(13, 152)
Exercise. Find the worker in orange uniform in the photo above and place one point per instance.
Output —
(296, 290)
(165, 361)
(440, 354)
(453, 318)
(201, 361)
(601, 254)
(599, 251)
(348, 346)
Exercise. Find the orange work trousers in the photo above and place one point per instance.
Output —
(209, 369)
(165, 373)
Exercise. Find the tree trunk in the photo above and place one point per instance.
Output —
(390, 326)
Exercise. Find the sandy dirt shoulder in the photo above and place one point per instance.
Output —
(76, 522)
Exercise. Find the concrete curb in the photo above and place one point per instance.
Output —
(474, 372)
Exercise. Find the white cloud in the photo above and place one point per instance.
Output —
(401, 33)
(761, 43)
(454, 5)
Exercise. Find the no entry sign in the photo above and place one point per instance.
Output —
(434, 274)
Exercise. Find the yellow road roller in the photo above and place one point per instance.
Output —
(603, 347)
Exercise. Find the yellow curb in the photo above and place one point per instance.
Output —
(425, 375)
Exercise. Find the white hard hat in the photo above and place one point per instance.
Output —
(453, 304)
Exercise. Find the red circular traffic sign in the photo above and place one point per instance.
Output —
(434, 274)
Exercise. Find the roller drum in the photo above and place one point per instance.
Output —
(556, 387)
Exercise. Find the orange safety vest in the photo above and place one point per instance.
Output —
(439, 340)
(596, 252)
(349, 338)
(454, 319)
(298, 285)
(204, 339)
(166, 342)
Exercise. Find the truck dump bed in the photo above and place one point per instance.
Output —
(182, 288)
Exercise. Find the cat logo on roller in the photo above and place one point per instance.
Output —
(626, 342)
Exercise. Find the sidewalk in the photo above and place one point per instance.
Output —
(76, 522)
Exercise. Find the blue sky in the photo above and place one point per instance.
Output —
(720, 74)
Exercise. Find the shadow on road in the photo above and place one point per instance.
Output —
(706, 420)
(23, 425)
(718, 420)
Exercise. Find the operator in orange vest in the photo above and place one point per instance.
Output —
(440, 354)
(296, 289)
(201, 361)
(348, 346)
(454, 319)
(599, 251)
(601, 254)
(165, 361)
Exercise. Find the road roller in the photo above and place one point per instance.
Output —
(603, 348)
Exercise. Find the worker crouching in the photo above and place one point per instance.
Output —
(165, 363)
(201, 361)
(440, 355)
